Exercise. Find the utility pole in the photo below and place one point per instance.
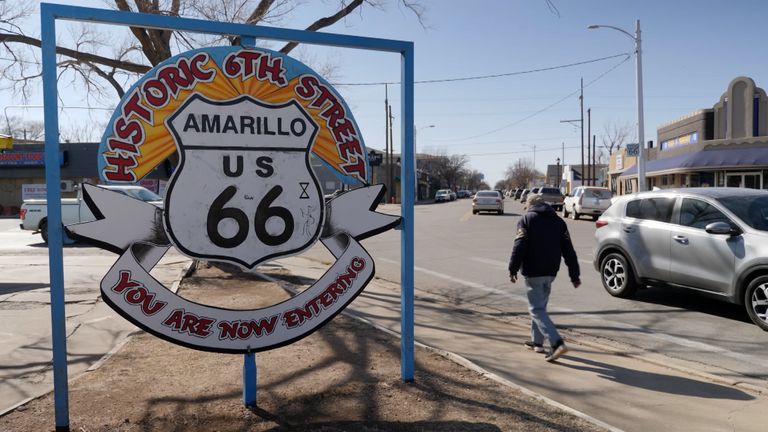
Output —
(581, 102)
(589, 134)
(387, 182)
(594, 160)
(393, 193)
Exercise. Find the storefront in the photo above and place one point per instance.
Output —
(726, 145)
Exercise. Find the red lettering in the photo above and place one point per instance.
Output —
(342, 128)
(122, 166)
(272, 70)
(307, 87)
(358, 167)
(324, 96)
(133, 106)
(129, 129)
(264, 326)
(174, 319)
(155, 93)
(124, 283)
(347, 146)
(171, 77)
(334, 113)
(115, 145)
(198, 72)
(291, 319)
(227, 329)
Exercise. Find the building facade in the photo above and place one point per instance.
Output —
(726, 145)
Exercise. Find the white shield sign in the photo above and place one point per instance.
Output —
(244, 191)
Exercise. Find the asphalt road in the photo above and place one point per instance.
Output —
(464, 257)
(93, 329)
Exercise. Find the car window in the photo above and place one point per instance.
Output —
(698, 214)
(658, 209)
(488, 194)
(552, 191)
(753, 210)
(599, 193)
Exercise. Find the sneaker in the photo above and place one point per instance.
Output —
(557, 350)
(534, 347)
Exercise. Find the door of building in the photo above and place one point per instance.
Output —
(751, 180)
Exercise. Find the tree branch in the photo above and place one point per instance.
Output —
(325, 22)
(77, 55)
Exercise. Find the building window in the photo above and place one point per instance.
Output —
(664, 180)
(706, 179)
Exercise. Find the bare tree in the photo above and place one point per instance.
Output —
(101, 65)
(32, 130)
(614, 136)
(522, 173)
(448, 170)
(473, 179)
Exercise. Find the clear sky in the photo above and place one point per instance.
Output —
(692, 49)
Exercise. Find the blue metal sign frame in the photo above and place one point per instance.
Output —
(49, 13)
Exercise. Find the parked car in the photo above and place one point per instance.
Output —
(489, 200)
(587, 200)
(524, 195)
(713, 241)
(452, 195)
(501, 193)
(443, 195)
(552, 196)
(518, 193)
(463, 194)
(34, 212)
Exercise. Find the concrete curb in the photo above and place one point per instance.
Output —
(464, 362)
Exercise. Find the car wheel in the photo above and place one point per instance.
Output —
(616, 275)
(565, 213)
(474, 211)
(594, 218)
(756, 301)
(501, 212)
(575, 215)
(44, 231)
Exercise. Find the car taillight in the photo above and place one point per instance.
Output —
(601, 223)
(474, 200)
(22, 213)
(498, 201)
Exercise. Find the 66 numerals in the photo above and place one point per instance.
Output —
(264, 212)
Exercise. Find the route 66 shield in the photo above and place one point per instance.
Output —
(244, 191)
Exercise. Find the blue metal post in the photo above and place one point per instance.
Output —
(55, 248)
(250, 376)
(407, 186)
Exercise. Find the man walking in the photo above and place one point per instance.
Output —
(542, 238)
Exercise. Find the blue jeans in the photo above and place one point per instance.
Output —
(539, 288)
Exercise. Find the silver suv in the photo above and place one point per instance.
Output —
(711, 240)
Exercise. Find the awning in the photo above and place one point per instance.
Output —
(743, 157)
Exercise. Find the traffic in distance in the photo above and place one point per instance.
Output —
(709, 241)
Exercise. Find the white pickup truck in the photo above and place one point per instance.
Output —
(34, 212)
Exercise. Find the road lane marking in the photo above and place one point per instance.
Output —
(753, 360)
(466, 216)
(505, 264)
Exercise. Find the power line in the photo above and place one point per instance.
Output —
(522, 151)
(480, 77)
(559, 101)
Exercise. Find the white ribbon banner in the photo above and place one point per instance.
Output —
(134, 229)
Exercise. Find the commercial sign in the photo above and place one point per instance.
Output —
(633, 149)
(34, 191)
(681, 141)
(619, 162)
(18, 159)
(243, 122)
(6, 142)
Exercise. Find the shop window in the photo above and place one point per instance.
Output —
(765, 179)
(706, 179)
(664, 180)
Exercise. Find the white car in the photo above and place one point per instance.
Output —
(34, 212)
(443, 195)
(488, 200)
(587, 200)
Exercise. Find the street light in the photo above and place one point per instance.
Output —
(559, 181)
(640, 132)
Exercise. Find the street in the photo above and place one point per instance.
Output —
(464, 257)
(93, 329)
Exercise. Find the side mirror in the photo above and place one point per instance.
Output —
(722, 228)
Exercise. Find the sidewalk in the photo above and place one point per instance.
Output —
(346, 376)
(631, 391)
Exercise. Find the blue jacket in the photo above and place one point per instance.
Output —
(542, 238)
